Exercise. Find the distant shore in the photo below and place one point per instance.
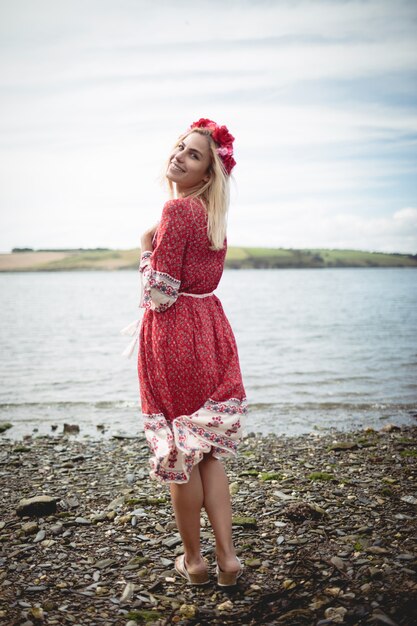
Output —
(324, 525)
(28, 260)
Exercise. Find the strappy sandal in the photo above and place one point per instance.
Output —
(228, 579)
(193, 579)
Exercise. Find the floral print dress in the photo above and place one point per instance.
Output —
(191, 388)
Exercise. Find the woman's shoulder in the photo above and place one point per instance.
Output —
(187, 203)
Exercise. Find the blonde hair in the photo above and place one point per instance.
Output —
(215, 194)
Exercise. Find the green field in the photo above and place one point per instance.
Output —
(237, 258)
(314, 257)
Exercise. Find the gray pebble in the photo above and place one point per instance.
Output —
(40, 536)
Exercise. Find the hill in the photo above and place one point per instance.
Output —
(28, 260)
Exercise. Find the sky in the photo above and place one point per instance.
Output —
(321, 97)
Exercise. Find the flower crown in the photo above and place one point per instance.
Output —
(222, 138)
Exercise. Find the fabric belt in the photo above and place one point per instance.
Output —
(133, 329)
(196, 295)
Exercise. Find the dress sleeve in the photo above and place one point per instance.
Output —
(161, 269)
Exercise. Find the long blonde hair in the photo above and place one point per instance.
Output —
(215, 194)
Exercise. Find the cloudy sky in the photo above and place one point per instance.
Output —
(320, 95)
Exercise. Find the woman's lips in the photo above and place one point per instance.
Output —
(177, 167)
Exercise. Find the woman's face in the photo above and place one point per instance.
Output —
(189, 163)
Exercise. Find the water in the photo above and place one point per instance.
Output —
(319, 348)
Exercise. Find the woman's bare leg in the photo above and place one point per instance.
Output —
(217, 503)
(187, 500)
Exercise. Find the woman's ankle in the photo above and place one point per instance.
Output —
(194, 561)
(227, 560)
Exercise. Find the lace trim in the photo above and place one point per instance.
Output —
(177, 445)
(166, 286)
(231, 406)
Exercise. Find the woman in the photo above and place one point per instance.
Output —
(192, 394)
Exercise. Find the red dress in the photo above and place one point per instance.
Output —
(191, 386)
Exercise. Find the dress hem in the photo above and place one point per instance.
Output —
(180, 444)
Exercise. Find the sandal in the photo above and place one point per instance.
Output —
(228, 579)
(193, 579)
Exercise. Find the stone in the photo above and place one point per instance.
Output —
(37, 506)
(380, 617)
(130, 478)
(225, 606)
(71, 428)
(57, 529)
(254, 563)
(104, 563)
(338, 563)
(29, 528)
(40, 536)
(389, 428)
(336, 614)
(127, 594)
(245, 522)
(173, 541)
(37, 613)
(288, 583)
(409, 499)
(406, 557)
(377, 550)
(291, 580)
(234, 488)
(283, 496)
(114, 504)
(188, 611)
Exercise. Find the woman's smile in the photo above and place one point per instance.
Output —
(189, 163)
(177, 167)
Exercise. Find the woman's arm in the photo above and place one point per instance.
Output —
(147, 238)
(161, 266)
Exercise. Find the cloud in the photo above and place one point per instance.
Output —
(319, 96)
(312, 225)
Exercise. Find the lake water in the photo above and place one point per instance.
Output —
(319, 348)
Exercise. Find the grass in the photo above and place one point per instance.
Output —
(408, 453)
(237, 258)
(321, 476)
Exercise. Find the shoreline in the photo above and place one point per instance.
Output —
(323, 523)
(107, 259)
(17, 431)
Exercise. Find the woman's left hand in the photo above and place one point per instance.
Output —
(147, 237)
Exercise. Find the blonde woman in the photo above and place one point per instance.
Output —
(192, 395)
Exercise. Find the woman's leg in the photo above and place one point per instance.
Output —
(187, 500)
(217, 503)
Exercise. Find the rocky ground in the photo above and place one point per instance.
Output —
(323, 523)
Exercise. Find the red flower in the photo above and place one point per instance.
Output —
(204, 123)
(229, 163)
(223, 139)
(222, 136)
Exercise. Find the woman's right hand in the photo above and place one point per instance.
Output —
(147, 238)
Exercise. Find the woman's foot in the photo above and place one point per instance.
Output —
(228, 571)
(228, 563)
(195, 572)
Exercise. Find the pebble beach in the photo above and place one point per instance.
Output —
(325, 525)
